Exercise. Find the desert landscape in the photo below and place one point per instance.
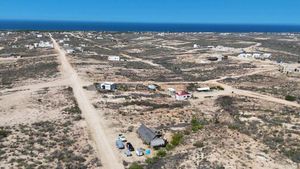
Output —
(208, 100)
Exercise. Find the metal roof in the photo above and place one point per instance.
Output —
(146, 134)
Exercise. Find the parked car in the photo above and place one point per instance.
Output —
(129, 146)
(120, 144)
(139, 152)
(122, 138)
(127, 153)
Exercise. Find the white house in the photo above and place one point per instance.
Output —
(203, 89)
(183, 95)
(266, 55)
(107, 86)
(45, 45)
(39, 36)
(70, 51)
(256, 55)
(114, 58)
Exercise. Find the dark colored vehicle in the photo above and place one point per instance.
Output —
(129, 147)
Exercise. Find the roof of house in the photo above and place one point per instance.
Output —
(203, 88)
(146, 134)
(157, 142)
(182, 93)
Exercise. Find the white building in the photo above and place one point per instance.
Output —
(70, 51)
(39, 36)
(107, 86)
(183, 95)
(255, 55)
(114, 58)
(203, 89)
(266, 55)
(43, 44)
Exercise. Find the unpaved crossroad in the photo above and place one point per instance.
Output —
(95, 123)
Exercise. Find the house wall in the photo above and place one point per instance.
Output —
(183, 97)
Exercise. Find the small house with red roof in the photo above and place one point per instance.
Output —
(183, 95)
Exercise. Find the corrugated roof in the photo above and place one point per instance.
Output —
(146, 134)
(157, 142)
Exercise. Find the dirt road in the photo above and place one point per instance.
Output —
(143, 60)
(95, 123)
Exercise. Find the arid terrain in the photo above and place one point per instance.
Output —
(244, 109)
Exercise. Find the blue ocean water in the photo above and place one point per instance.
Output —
(141, 27)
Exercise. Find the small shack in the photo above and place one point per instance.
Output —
(114, 58)
(203, 89)
(171, 91)
(153, 87)
(183, 95)
(107, 86)
(150, 137)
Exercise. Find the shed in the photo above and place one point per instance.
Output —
(171, 91)
(107, 86)
(114, 58)
(150, 137)
(203, 89)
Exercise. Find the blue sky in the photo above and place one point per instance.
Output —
(155, 11)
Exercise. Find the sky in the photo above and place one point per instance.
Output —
(155, 11)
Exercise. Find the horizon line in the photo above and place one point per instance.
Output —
(167, 23)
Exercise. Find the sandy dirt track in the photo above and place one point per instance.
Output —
(105, 151)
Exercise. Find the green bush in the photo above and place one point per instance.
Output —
(135, 166)
(169, 147)
(196, 125)
(176, 139)
(293, 154)
(161, 153)
(152, 160)
(290, 98)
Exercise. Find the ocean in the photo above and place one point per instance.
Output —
(141, 27)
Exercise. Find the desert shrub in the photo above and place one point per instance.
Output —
(156, 105)
(192, 87)
(198, 144)
(290, 98)
(152, 160)
(123, 87)
(73, 109)
(217, 88)
(161, 153)
(169, 147)
(234, 126)
(4, 133)
(176, 139)
(227, 103)
(196, 125)
(293, 154)
(220, 166)
(135, 166)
